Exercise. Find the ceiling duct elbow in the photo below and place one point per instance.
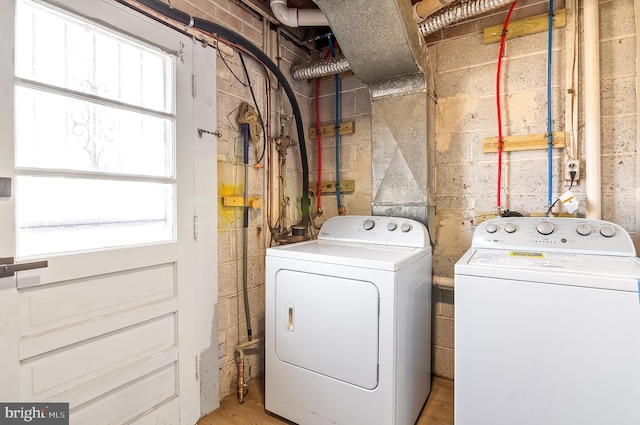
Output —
(297, 17)
(379, 38)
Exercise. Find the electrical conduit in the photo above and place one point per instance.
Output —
(592, 110)
(500, 138)
(549, 122)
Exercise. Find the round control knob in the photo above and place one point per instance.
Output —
(491, 228)
(510, 228)
(583, 230)
(368, 224)
(545, 228)
(405, 227)
(392, 226)
(607, 231)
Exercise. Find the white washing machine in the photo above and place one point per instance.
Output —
(547, 324)
(348, 324)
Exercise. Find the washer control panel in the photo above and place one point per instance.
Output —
(576, 235)
(376, 230)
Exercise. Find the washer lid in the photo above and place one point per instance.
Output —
(377, 257)
(595, 271)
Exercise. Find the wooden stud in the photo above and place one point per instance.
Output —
(345, 186)
(329, 130)
(526, 26)
(238, 201)
(524, 142)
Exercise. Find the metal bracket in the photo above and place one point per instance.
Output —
(202, 131)
(8, 267)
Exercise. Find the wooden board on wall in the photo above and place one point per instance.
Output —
(329, 130)
(524, 142)
(526, 26)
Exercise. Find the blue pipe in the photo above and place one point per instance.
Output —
(333, 55)
(549, 122)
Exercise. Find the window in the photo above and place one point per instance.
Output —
(95, 136)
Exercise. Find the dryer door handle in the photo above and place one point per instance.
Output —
(290, 317)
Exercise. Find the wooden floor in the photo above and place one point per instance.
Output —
(437, 411)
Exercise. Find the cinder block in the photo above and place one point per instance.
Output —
(227, 275)
(450, 112)
(445, 306)
(456, 151)
(618, 57)
(453, 233)
(617, 19)
(619, 134)
(443, 265)
(362, 102)
(618, 173)
(448, 84)
(442, 332)
(351, 83)
(618, 96)
(228, 378)
(229, 20)
(469, 52)
(226, 247)
(442, 362)
(224, 310)
(453, 202)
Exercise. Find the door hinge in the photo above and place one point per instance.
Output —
(194, 86)
(195, 227)
(197, 368)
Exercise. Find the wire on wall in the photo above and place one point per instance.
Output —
(255, 102)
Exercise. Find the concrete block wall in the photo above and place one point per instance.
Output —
(355, 149)
(466, 178)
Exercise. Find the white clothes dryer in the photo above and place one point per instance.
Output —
(348, 328)
(547, 324)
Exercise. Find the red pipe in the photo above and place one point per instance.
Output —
(500, 139)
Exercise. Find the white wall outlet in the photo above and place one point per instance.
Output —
(569, 166)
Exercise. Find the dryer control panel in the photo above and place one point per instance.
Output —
(575, 235)
(380, 230)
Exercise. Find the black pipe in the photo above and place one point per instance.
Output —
(245, 228)
(236, 38)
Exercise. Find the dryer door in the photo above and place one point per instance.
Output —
(328, 325)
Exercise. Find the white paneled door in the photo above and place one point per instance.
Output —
(97, 178)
